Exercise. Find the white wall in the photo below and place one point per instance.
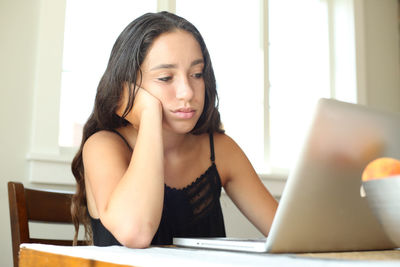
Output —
(19, 23)
(382, 21)
(18, 28)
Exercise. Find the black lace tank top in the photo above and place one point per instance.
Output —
(194, 211)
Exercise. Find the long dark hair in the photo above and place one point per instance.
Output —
(126, 57)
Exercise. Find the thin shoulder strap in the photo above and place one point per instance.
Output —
(123, 138)
(212, 157)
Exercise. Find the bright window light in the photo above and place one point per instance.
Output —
(91, 28)
(300, 52)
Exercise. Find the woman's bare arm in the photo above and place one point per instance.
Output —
(243, 185)
(128, 192)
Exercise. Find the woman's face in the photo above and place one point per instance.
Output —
(173, 72)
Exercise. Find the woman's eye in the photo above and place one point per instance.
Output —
(198, 75)
(165, 79)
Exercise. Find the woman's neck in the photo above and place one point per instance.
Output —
(176, 143)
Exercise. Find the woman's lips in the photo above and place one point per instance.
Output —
(184, 113)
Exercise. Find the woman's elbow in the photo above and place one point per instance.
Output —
(136, 242)
(138, 237)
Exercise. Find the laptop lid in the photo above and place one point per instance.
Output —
(321, 208)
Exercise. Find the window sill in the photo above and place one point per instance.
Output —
(51, 168)
(274, 182)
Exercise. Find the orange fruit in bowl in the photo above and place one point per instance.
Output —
(381, 168)
(381, 182)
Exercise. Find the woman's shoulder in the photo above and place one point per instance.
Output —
(105, 142)
(224, 142)
(219, 140)
(227, 153)
(227, 150)
(100, 137)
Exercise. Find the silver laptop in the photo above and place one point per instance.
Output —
(322, 208)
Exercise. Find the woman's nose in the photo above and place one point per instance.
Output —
(184, 90)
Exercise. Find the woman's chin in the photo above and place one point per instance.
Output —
(179, 128)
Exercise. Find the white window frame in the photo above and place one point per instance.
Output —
(51, 164)
(48, 163)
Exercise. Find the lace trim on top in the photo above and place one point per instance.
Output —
(202, 193)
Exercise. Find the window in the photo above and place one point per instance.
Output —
(298, 72)
(87, 46)
(235, 43)
(272, 60)
(299, 48)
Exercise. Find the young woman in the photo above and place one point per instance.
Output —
(154, 156)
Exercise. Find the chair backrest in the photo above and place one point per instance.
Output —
(39, 206)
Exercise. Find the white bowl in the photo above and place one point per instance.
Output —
(383, 197)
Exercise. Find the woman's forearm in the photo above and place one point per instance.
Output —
(134, 210)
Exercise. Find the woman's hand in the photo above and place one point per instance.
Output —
(144, 102)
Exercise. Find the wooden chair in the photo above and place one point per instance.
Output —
(39, 206)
